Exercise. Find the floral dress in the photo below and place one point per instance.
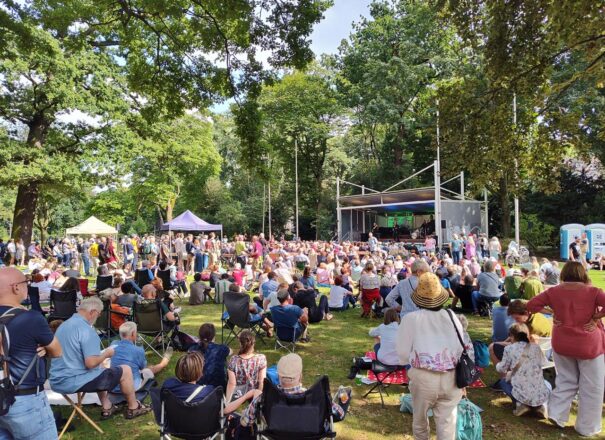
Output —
(527, 382)
(246, 373)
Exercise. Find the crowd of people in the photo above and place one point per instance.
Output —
(541, 313)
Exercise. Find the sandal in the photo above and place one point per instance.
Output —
(139, 411)
(107, 413)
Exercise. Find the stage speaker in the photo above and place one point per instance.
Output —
(364, 236)
(443, 225)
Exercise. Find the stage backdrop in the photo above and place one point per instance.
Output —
(460, 217)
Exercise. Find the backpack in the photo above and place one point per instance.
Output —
(468, 422)
(182, 341)
(8, 390)
(147, 249)
(481, 354)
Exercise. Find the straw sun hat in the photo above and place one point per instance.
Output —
(429, 293)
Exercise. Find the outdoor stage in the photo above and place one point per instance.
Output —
(407, 215)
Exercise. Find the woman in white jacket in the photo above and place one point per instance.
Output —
(427, 341)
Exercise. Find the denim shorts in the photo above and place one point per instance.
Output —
(30, 417)
(106, 381)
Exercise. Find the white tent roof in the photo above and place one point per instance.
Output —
(91, 226)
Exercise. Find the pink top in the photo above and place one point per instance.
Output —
(574, 304)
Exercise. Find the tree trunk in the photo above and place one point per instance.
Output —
(25, 209)
(505, 207)
(169, 209)
(398, 147)
(27, 193)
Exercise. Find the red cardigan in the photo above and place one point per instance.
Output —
(574, 305)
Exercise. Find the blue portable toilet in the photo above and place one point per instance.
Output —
(567, 234)
(595, 233)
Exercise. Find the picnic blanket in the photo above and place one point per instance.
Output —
(397, 378)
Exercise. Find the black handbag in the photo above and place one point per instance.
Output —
(466, 371)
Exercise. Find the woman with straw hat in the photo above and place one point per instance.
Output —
(428, 342)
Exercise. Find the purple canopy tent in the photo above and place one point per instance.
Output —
(190, 222)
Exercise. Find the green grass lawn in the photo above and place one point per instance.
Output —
(333, 345)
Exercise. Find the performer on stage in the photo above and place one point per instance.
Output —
(395, 230)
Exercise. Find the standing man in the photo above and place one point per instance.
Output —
(574, 249)
(584, 250)
(11, 248)
(372, 242)
(30, 416)
(93, 251)
(84, 249)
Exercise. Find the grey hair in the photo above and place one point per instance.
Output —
(127, 329)
(420, 265)
(489, 266)
(91, 303)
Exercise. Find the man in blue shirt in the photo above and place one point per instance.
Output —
(29, 336)
(287, 317)
(127, 353)
(269, 286)
(79, 369)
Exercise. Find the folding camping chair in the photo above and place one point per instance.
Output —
(148, 317)
(103, 323)
(286, 334)
(192, 421)
(77, 409)
(305, 416)
(141, 277)
(236, 313)
(62, 304)
(33, 293)
(103, 282)
(378, 368)
(164, 275)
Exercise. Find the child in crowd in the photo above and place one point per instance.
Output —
(522, 367)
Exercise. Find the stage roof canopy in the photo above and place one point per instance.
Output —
(415, 200)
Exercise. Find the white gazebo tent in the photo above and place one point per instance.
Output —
(92, 226)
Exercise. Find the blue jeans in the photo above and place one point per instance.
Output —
(66, 259)
(456, 255)
(30, 417)
(507, 388)
(477, 299)
(86, 264)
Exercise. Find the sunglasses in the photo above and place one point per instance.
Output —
(18, 282)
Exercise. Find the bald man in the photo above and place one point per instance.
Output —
(30, 338)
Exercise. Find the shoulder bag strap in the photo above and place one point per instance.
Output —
(451, 315)
(195, 393)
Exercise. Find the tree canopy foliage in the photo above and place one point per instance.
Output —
(104, 108)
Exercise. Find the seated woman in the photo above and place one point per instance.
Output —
(215, 357)
(388, 280)
(189, 372)
(340, 298)
(324, 276)
(246, 369)
(385, 336)
(522, 367)
(70, 285)
(307, 279)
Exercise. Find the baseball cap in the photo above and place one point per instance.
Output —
(290, 367)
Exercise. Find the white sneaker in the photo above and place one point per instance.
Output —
(542, 411)
(521, 409)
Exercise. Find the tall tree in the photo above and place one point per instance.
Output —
(302, 109)
(59, 101)
(58, 57)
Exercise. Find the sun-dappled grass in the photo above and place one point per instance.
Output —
(333, 345)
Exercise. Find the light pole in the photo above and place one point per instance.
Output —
(296, 181)
(517, 235)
